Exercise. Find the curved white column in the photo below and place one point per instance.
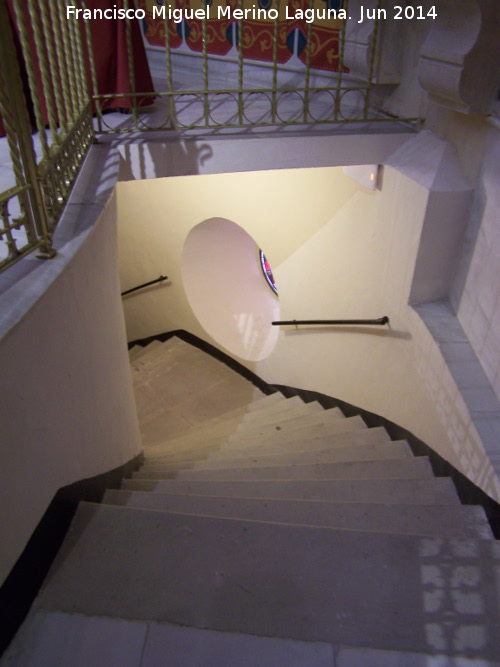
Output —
(458, 65)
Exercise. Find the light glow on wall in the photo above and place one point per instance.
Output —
(222, 278)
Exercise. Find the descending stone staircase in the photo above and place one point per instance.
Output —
(265, 531)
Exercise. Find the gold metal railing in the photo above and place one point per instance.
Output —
(343, 100)
(55, 88)
(62, 89)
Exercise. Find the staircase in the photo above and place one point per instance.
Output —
(264, 531)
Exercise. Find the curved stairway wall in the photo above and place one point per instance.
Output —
(67, 409)
(337, 251)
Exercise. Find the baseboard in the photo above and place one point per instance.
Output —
(26, 577)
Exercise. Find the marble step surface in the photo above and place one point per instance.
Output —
(257, 404)
(177, 386)
(59, 639)
(381, 469)
(433, 491)
(445, 521)
(380, 591)
(296, 416)
(386, 450)
(75, 640)
(274, 414)
(345, 434)
(144, 352)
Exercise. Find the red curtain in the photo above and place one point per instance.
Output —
(109, 47)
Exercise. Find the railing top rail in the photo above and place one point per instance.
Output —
(376, 322)
(138, 287)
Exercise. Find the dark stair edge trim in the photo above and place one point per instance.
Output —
(21, 587)
(213, 351)
(467, 491)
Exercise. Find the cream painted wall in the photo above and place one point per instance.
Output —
(279, 209)
(337, 251)
(67, 409)
(227, 290)
(360, 265)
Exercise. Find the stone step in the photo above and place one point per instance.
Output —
(171, 347)
(389, 450)
(255, 404)
(445, 521)
(337, 430)
(261, 403)
(277, 413)
(283, 408)
(160, 369)
(173, 357)
(277, 397)
(397, 592)
(277, 446)
(145, 355)
(383, 469)
(76, 640)
(135, 352)
(218, 426)
(305, 416)
(434, 491)
(184, 387)
(278, 416)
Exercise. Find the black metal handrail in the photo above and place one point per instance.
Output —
(151, 282)
(378, 322)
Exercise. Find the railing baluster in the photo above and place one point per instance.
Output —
(22, 128)
(30, 69)
(206, 109)
(72, 22)
(54, 73)
(373, 55)
(93, 74)
(340, 70)
(308, 66)
(44, 70)
(12, 250)
(82, 70)
(10, 132)
(58, 18)
(274, 101)
(15, 156)
(68, 56)
(241, 109)
(168, 55)
(131, 68)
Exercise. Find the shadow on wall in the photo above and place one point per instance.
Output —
(158, 160)
(369, 331)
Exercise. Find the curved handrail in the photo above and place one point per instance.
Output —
(151, 282)
(378, 322)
